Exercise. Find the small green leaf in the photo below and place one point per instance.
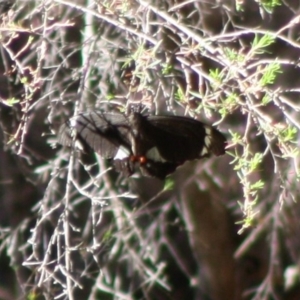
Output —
(266, 99)
(107, 235)
(10, 102)
(166, 69)
(169, 184)
(24, 80)
(269, 5)
(255, 161)
(270, 73)
(233, 55)
(179, 95)
(288, 134)
(259, 43)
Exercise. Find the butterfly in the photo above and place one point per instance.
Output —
(155, 144)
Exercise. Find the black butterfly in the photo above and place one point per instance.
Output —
(157, 144)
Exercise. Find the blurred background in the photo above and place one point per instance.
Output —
(217, 229)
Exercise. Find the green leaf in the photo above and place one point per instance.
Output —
(269, 5)
(270, 73)
(166, 69)
(259, 43)
(233, 55)
(169, 184)
(288, 134)
(179, 95)
(10, 102)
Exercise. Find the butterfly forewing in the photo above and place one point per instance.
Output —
(104, 133)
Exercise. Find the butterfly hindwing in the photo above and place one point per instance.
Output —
(177, 139)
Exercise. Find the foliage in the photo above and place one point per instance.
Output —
(72, 228)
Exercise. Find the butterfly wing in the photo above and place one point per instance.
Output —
(159, 144)
(177, 139)
(104, 133)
